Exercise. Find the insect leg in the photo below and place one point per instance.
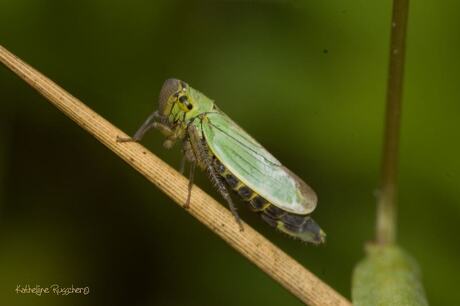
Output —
(204, 158)
(172, 135)
(187, 154)
(190, 184)
(182, 164)
(163, 128)
(217, 181)
(145, 127)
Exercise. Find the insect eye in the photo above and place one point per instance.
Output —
(183, 100)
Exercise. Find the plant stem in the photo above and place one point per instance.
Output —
(264, 254)
(386, 205)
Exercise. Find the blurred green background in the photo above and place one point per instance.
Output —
(307, 79)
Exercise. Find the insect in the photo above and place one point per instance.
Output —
(233, 160)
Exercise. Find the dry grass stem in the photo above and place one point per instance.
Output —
(273, 261)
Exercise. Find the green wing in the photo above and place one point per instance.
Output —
(255, 166)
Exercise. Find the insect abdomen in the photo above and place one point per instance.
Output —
(299, 226)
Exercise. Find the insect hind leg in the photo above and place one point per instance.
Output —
(220, 185)
(204, 160)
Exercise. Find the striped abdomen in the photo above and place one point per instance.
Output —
(300, 226)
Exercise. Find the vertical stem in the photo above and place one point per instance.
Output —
(386, 204)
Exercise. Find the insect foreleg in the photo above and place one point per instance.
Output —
(172, 135)
(157, 121)
(145, 127)
(164, 129)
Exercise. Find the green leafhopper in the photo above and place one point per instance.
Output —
(233, 160)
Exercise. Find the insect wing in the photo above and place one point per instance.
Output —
(245, 158)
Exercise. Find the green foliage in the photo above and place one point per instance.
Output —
(387, 276)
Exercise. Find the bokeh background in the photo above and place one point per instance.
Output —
(305, 78)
